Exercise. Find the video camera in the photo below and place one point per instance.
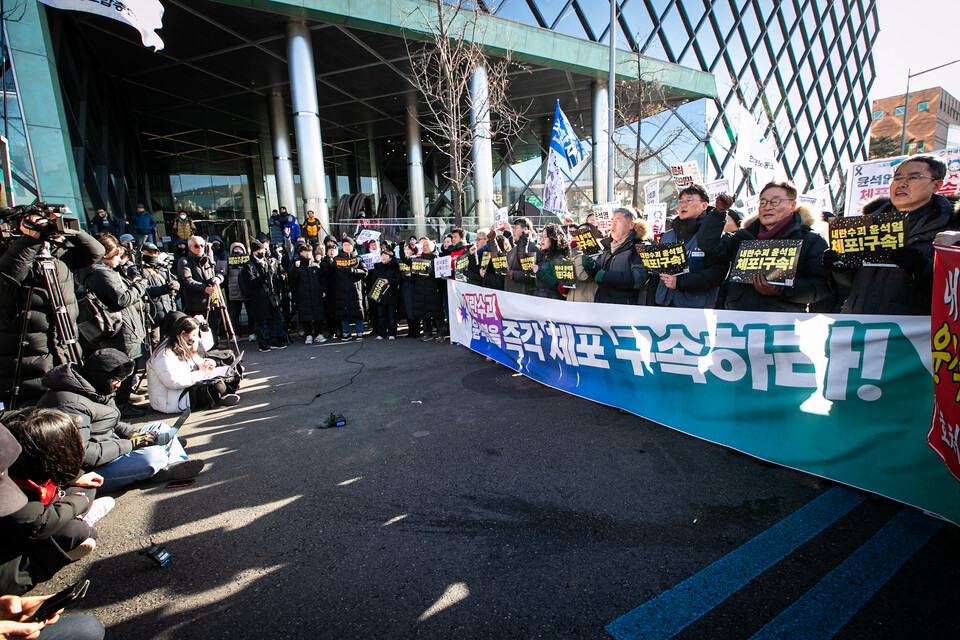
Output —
(49, 220)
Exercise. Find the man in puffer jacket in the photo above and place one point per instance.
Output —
(618, 270)
(119, 452)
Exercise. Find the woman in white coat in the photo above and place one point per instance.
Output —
(178, 376)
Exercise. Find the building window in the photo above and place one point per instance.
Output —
(878, 114)
(898, 111)
(920, 146)
(923, 106)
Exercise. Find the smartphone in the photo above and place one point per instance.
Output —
(54, 603)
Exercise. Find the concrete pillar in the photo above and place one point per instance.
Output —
(306, 121)
(482, 150)
(282, 155)
(415, 168)
(601, 138)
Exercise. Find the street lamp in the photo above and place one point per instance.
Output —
(906, 102)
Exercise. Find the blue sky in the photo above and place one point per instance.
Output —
(916, 35)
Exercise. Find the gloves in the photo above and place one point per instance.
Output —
(909, 259)
(833, 261)
(171, 287)
(139, 439)
(599, 276)
(588, 262)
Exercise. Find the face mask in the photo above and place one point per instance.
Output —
(149, 259)
(183, 216)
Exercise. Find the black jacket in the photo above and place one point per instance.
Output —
(427, 297)
(699, 287)
(623, 273)
(118, 294)
(391, 273)
(306, 285)
(104, 436)
(257, 287)
(811, 283)
(195, 274)
(348, 287)
(19, 271)
(893, 291)
(522, 282)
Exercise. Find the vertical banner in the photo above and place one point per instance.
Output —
(945, 327)
(845, 397)
(651, 191)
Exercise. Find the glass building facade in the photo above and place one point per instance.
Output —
(803, 68)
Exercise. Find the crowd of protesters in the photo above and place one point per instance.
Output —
(170, 320)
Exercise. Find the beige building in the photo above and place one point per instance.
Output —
(932, 113)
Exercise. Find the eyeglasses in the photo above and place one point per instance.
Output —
(775, 202)
(691, 201)
(910, 179)
(199, 245)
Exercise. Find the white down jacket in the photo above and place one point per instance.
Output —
(169, 377)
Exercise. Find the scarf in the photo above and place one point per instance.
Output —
(766, 234)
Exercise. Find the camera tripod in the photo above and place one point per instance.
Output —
(216, 303)
(66, 329)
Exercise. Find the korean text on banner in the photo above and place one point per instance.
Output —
(686, 174)
(567, 151)
(717, 187)
(944, 431)
(366, 235)
(603, 216)
(845, 397)
(651, 191)
(871, 179)
(146, 16)
(656, 215)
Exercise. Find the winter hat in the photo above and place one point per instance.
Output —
(103, 366)
(255, 245)
(262, 236)
(300, 246)
(346, 239)
(11, 498)
(238, 245)
(140, 206)
(329, 238)
(127, 238)
(149, 246)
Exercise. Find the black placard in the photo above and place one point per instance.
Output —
(868, 239)
(776, 259)
(666, 257)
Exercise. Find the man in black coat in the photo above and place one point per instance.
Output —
(257, 284)
(618, 270)
(103, 223)
(198, 282)
(22, 280)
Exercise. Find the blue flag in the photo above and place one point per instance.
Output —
(564, 141)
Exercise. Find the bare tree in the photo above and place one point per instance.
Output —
(443, 68)
(638, 99)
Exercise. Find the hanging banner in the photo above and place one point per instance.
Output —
(944, 431)
(651, 191)
(845, 397)
(755, 149)
(146, 16)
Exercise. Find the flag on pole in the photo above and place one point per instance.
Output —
(755, 150)
(567, 149)
(146, 16)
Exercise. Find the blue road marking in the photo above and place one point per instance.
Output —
(823, 610)
(671, 611)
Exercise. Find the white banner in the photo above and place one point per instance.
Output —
(755, 150)
(651, 191)
(146, 16)
(717, 187)
(501, 219)
(686, 174)
(443, 266)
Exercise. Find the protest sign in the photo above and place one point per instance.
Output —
(379, 288)
(420, 266)
(588, 239)
(462, 263)
(238, 261)
(718, 187)
(837, 396)
(871, 179)
(868, 239)
(499, 263)
(366, 235)
(485, 259)
(776, 260)
(944, 434)
(651, 191)
(404, 268)
(501, 219)
(563, 270)
(667, 257)
(686, 174)
(443, 267)
(603, 215)
(656, 216)
(751, 206)
(346, 263)
(527, 261)
(369, 260)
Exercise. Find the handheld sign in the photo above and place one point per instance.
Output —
(527, 261)
(346, 263)
(668, 257)
(686, 174)
(656, 214)
(379, 287)
(603, 215)
(563, 270)
(485, 260)
(443, 267)
(501, 219)
(369, 259)
(499, 263)
(420, 266)
(775, 259)
(462, 263)
(404, 268)
(868, 239)
(588, 239)
(238, 261)
(366, 235)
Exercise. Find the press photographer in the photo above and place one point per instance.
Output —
(38, 306)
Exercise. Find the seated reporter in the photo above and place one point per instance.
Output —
(119, 452)
(779, 218)
(178, 374)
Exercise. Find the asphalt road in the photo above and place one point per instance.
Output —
(462, 501)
